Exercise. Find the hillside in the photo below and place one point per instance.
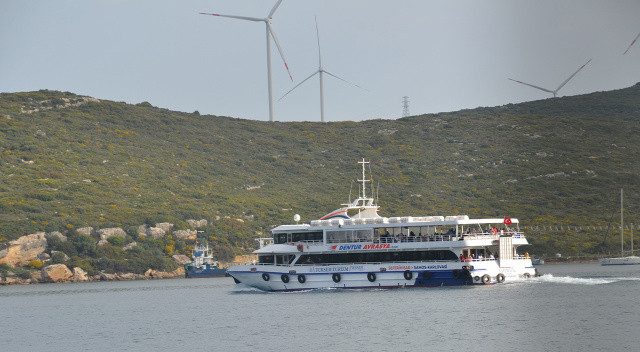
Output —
(69, 161)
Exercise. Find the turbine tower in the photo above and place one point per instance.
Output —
(554, 92)
(405, 106)
(270, 34)
(633, 42)
(320, 71)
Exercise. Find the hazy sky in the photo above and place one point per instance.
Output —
(444, 55)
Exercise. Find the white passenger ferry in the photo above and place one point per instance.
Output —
(354, 247)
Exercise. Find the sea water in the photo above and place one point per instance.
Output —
(571, 307)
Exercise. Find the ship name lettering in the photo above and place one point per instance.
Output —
(377, 246)
(349, 247)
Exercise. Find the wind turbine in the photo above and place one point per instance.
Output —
(320, 71)
(633, 42)
(554, 92)
(270, 34)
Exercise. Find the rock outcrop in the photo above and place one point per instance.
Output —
(197, 223)
(62, 255)
(57, 234)
(107, 277)
(24, 249)
(166, 226)
(79, 275)
(181, 259)
(56, 273)
(185, 234)
(129, 246)
(155, 232)
(85, 231)
(111, 232)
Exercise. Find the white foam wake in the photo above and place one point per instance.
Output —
(583, 281)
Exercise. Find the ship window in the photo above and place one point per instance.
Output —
(280, 238)
(265, 259)
(284, 259)
(342, 236)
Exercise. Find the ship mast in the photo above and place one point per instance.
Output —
(364, 180)
(621, 226)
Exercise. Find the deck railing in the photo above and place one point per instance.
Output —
(411, 239)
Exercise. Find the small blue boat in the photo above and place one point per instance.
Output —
(203, 264)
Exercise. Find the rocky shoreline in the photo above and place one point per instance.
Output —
(60, 273)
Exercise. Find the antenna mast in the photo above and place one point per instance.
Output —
(405, 106)
(364, 180)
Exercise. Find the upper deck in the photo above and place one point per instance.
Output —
(394, 234)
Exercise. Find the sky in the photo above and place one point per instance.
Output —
(443, 55)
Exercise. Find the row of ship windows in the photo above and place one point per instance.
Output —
(361, 257)
(353, 235)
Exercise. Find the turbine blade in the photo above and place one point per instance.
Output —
(275, 39)
(236, 17)
(318, 35)
(531, 85)
(570, 77)
(633, 42)
(344, 80)
(273, 10)
(297, 85)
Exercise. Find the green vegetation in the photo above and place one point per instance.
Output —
(75, 163)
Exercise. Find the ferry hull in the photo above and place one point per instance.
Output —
(370, 276)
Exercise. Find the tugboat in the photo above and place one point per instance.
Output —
(203, 264)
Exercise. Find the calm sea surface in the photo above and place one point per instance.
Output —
(572, 307)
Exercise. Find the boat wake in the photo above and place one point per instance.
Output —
(583, 281)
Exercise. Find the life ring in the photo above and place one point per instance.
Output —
(486, 279)
(265, 277)
(371, 277)
(455, 273)
(336, 277)
(284, 278)
(300, 247)
(477, 278)
(302, 279)
(426, 275)
(408, 275)
(527, 276)
(500, 277)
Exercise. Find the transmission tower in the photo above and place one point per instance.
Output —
(405, 106)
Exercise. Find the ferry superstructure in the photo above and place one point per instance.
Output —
(365, 250)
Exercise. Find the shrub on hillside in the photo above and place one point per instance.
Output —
(35, 264)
